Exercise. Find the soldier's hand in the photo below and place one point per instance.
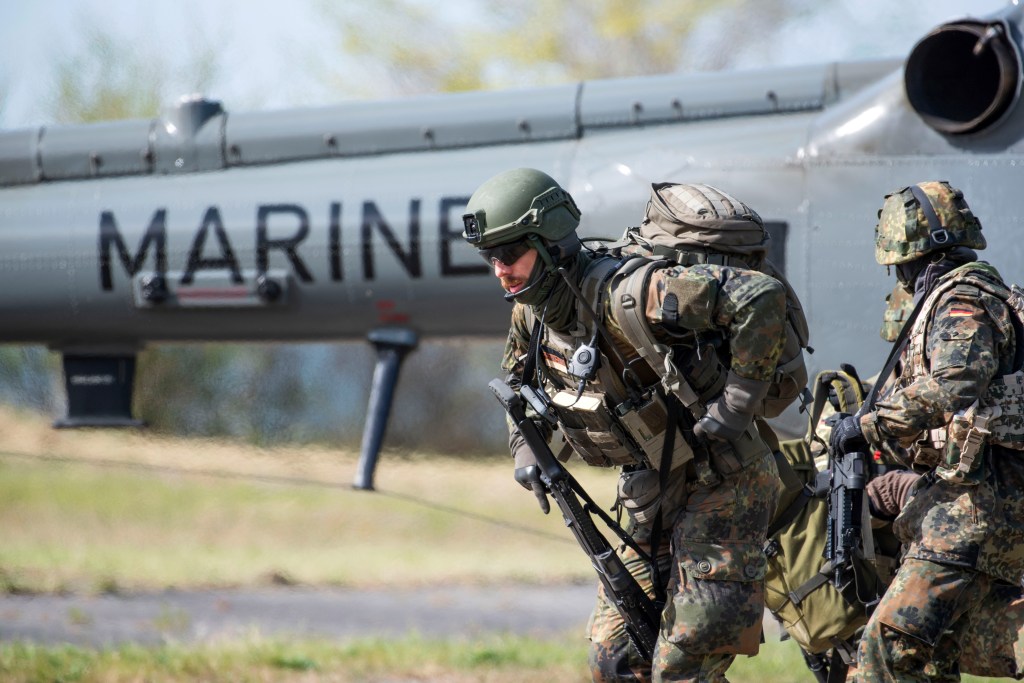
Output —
(730, 414)
(847, 436)
(529, 478)
(528, 475)
(721, 423)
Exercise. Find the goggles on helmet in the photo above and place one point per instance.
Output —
(507, 253)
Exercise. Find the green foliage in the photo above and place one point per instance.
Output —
(115, 78)
(386, 38)
(28, 375)
(267, 394)
(517, 43)
(584, 39)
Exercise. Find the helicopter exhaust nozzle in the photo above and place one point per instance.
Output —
(964, 76)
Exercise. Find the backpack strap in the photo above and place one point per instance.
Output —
(690, 257)
(786, 517)
(593, 281)
(800, 593)
(629, 310)
(848, 391)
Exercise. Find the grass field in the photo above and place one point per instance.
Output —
(117, 511)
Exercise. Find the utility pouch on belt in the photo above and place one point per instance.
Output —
(640, 493)
(729, 457)
(588, 425)
(647, 422)
(966, 445)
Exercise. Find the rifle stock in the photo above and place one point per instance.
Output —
(638, 611)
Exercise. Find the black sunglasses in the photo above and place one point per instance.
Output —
(507, 253)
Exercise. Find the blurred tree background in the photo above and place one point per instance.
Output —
(301, 393)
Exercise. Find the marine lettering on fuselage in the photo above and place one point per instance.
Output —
(284, 228)
(227, 259)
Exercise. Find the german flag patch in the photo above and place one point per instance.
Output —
(960, 312)
(554, 359)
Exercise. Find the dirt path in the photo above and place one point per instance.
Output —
(201, 616)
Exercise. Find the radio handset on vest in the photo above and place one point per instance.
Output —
(590, 350)
(584, 362)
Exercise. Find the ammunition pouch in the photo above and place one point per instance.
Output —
(927, 451)
(966, 446)
(588, 426)
(1005, 397)
(632, 433)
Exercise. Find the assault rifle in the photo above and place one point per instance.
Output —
(849, 540)
(640, 614)
(848, 474)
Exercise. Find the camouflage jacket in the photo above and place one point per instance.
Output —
(958, 347)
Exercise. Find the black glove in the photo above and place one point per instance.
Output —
(729, 416)
(846, 435)
(727, 427)
(528, 475)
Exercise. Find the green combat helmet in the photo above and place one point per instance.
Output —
(923, 218)
(521, 209)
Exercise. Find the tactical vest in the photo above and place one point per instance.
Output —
(606, 422)
(998, 416)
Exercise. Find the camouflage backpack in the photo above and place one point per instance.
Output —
(693, 224)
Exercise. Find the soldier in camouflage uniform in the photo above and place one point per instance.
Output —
(708, 507)
(955, 406)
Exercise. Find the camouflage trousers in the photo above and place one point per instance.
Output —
(936, 620)
(714, 589)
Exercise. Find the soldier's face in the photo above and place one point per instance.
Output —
(514, 277)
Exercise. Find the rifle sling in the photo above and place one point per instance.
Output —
(838, 669)
(894, 357)
(532, 351)
(668, 446)
(594, 508)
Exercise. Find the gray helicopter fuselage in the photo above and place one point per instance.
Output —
(317, 224)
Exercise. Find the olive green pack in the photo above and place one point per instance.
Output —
(798, 583)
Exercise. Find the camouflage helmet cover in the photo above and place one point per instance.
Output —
(517, 203)
(923, 218)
